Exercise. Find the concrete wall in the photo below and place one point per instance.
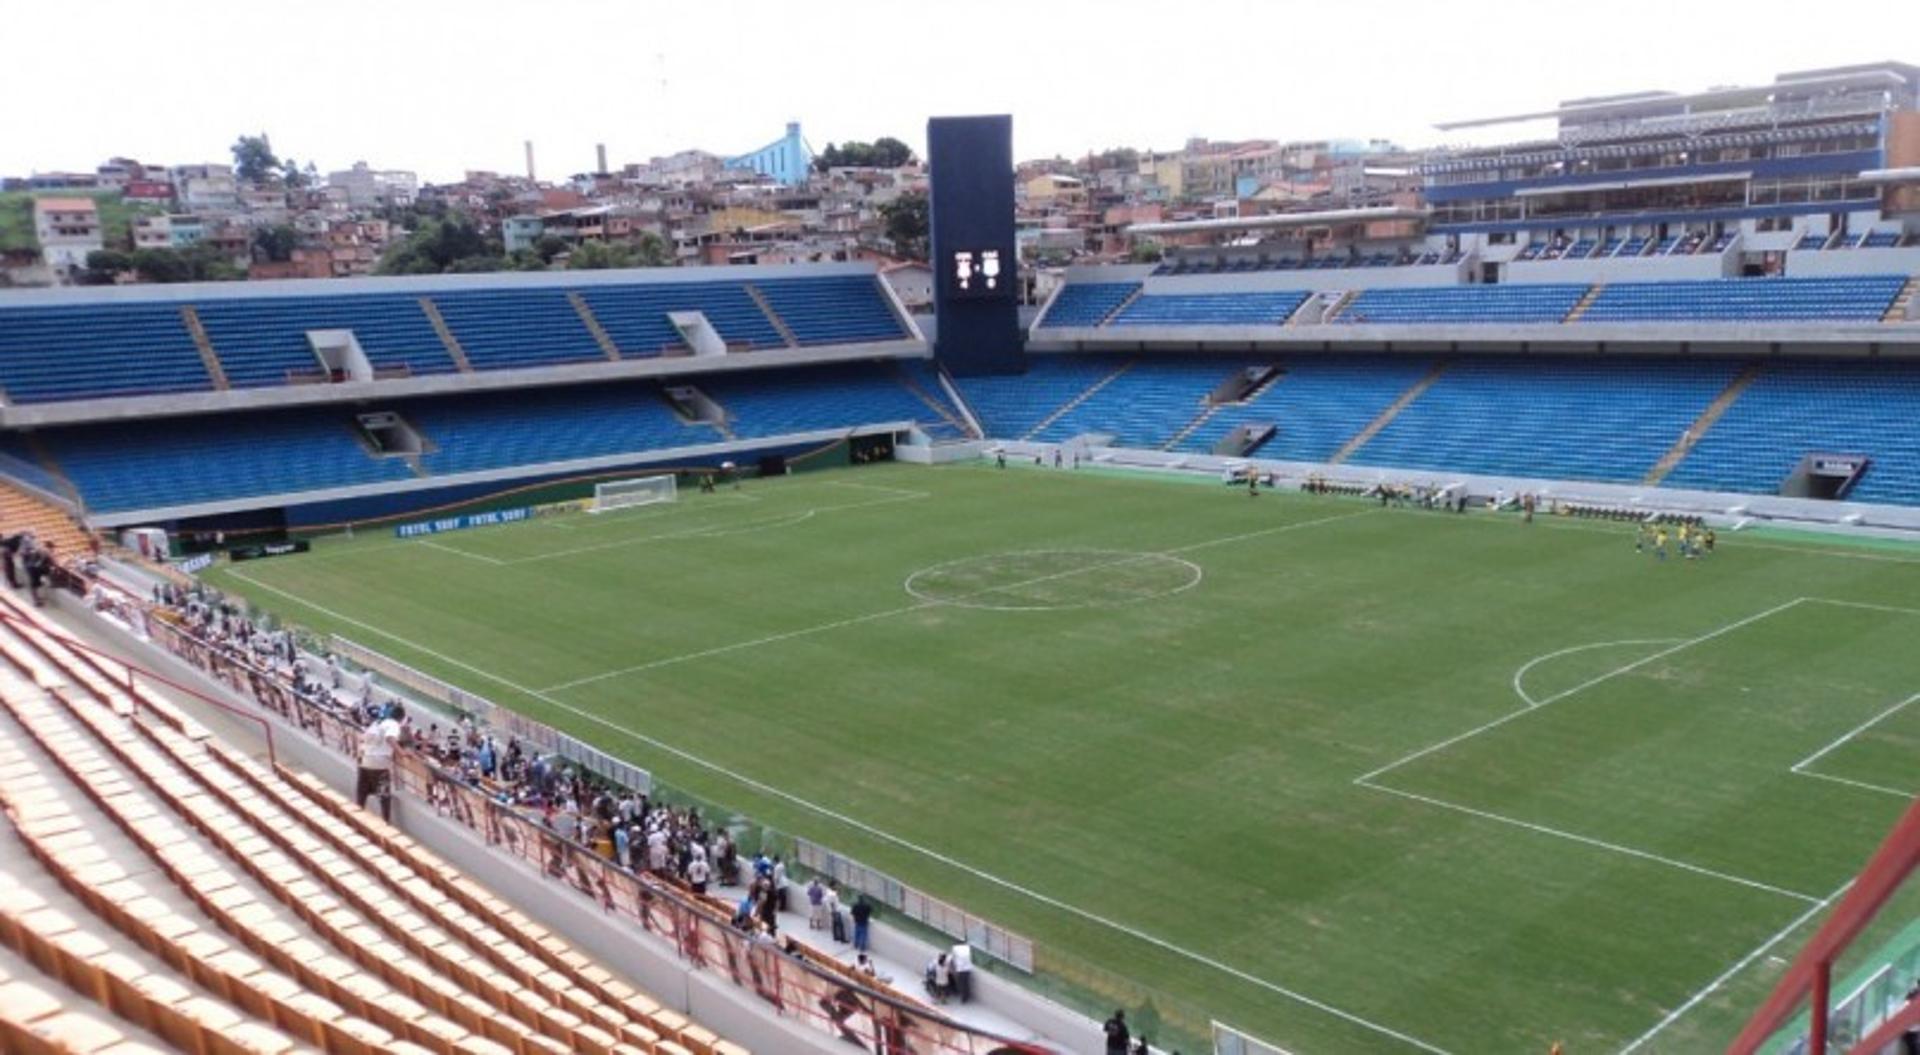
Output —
(1808, 263)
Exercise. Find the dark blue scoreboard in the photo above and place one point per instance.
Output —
(976, 289)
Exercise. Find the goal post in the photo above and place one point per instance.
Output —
(633, 491)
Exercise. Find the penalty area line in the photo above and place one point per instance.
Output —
(1725, 976)
(868, 829)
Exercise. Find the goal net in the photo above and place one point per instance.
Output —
(638, 491)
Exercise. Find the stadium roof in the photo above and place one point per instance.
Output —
(1630, 184)
(1888, 76)
(1281, 221)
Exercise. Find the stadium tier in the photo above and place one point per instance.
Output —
(143, 343)
(123, 466)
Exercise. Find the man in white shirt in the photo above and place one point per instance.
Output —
(961, 960)
(377, 743)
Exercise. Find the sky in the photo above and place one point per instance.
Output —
(443, 87)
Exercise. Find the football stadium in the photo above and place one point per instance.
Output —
(1482, 621)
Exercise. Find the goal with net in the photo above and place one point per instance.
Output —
(634, 491)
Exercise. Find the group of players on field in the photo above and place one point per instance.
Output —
(1693, 541)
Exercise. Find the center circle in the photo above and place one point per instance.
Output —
(1051, 579)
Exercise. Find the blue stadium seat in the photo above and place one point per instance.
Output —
(635, 316)
(1086, 303)
(1798, 408)
(1318, 404)
(1569, 419)
(146, 465)
(846, 309)
(764, 403)
(50, 354)
(262, 340)
(530, 427)
(1270, 308)
(1862, 298)
(1433, 304)
(508, 328)
(1010, 406)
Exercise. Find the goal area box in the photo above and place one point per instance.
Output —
(634, 491)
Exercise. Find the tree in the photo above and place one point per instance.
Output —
(890, 153)
(295, 177)
(885, 152)
(906, 220)
(549, 246)
(161, 265)
(1145, 251)
(651, 250)
(1126, 159)
(452, 243)
(253, 159)
(105, 265)
(276, 243)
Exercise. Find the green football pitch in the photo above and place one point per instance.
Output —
(1351, 779)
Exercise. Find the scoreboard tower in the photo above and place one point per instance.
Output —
(976, 287)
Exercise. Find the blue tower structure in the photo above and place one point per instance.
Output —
(786, 159)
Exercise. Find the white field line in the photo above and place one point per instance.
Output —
(444, 548)
(1855, 731)
(1589, 683)
(717, 531)
(1597, 843)
(1519, 676)
(1804, 766)
(875, 832)
(1861, 784)
(1708, 990)
(1868, 605)
(959, 601)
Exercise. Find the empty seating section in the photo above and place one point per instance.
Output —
(49, 354)
(1317, 404)
(261, 340)
(1862, 298)
(1270, 308)
(635, 316)
(1881, 240)
(1794, 409)
(1448, 304)
(1148, 404)
(529, 427)
(500, 328)
(142, 465)
(256, 911)
(1009, 407)
(924, 375)
(767, 403)
(845, 309)
(1086, 303)
(1573, 419)
(1811, 240)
